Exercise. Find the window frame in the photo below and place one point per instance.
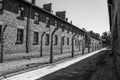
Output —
(36, 38)
(47, 39)
(47, 22)
(36, 17)
(20, 36)
(62, 27)
(21, 12)
(55, 40)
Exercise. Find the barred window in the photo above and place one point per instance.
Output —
(47, 39)
(21, 11)
(36, 38)
(36, 17)
(20, 36)
(56, 40)
(47, 22)
(55, 23)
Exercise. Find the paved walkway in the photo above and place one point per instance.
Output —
(32, 75)
(14, 66)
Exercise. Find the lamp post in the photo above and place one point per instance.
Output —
(73, 44)
(2, 42)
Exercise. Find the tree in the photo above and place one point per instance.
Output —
(106, 39)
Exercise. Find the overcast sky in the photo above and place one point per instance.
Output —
(88, 14)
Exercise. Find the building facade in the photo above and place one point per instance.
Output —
(95, 44)
(30, 27)
(92, 42)
(114, 17)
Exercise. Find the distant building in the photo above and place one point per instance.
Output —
(94, 41)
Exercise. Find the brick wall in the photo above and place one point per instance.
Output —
(9, 17)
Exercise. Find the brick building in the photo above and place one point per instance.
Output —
(95, 44)
(114, 17)
(30, 27)
(92, 41)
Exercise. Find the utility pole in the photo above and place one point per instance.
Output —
(2, 43)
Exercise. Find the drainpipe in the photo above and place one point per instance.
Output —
(28, 28)
(2, 43)
(41, 44)
(73, 44)
(51, 45)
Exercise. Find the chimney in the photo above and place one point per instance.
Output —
(48, 7)
(61, 14)
(33, 2)
(71, 22)
(84, 29)
(66, 19)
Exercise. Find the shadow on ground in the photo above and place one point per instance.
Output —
(97, 67)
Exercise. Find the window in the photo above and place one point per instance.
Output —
(47, 22)
(1, 6)
(21, 12)
(0, 32)
(62, 40)
(47, 39)
(75, 42)
(62, 28)
(55, 23)
(36, 17)
(35, 38)
(56, 40)
(67, 29)
(20, 33)
(67, 41)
